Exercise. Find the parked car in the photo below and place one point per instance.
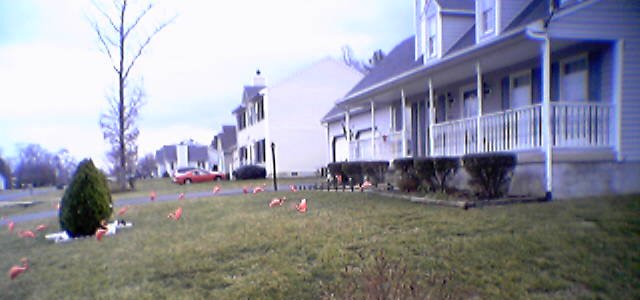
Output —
(182, 171)
(198, 175)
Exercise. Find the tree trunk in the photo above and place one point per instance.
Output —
(122, 155)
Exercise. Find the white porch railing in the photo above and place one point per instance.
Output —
(573, 125)
(581, 124)
(455, 137)
(387, 147)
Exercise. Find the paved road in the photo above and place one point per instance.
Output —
(132, 201)
(24, 193)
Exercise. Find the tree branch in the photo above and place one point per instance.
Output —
(143, 45)
(135, 23)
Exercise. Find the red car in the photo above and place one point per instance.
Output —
(197, 175)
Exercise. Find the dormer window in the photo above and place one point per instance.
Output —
(432, 38)
(488, 17)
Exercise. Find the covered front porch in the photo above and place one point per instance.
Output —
(521, 93)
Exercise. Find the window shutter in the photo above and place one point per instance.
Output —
(441, 109)
(536, 87)
(555, 81)
(595, 76)
(505, 93)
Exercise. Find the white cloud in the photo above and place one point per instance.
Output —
(193, 71)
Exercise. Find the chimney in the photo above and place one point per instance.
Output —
(259, 80)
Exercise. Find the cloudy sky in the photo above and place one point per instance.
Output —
(54, 79)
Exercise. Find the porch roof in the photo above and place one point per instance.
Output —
(465, 51)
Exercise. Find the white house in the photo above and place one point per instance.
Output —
(185, 154)
(554, 81)
(286, 115)
(225, 143)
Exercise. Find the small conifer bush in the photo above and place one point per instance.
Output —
(86, 202)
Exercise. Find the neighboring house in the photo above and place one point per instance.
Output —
(225, 144)
(286, 115)
(553, 81)
(185, 154)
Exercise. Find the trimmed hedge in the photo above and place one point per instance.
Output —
(357, 170)
(353, 171)
(250, 172)
(434, 173)
(375, 170)
(490, 173)
(409, 181)
(86, 201)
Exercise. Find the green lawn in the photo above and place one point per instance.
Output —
(47, 201)
(347, 245)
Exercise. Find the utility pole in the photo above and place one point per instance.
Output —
(273, 158)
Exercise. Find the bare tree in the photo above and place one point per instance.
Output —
(364, 66)
(120, 39)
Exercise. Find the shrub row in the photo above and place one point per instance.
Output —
(357, 170)
(490, 173)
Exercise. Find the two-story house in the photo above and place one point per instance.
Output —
(553, 81)
(187, 153)
(225, 143)
(286, 115)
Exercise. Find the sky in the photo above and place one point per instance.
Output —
(54, 79)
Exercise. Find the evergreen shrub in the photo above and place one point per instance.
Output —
(86, 201)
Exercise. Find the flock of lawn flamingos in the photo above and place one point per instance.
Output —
(103, 230)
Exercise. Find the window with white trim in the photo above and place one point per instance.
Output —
(574, 79)
(432, 38)
(488, 16)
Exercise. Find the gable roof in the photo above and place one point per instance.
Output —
(457, 4)
(400, 59)
(251, 91)
(228, 137)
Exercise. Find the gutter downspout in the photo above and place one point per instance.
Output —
(546, 106)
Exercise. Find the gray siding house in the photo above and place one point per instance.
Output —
(554, 81)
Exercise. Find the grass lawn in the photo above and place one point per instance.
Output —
(347, 245)
(47, 200)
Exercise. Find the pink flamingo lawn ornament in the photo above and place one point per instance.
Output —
(15, 271)
(302, 207)
(176, 214)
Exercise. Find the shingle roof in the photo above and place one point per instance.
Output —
(457, 4)
(166, 154)
(466, 41)
(534, 11)
(400, 59)
(197, 153)
(332, 114)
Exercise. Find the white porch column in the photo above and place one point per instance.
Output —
(403, 105)
(347, 132)
(617, 95)
(479, 94)
(432, 118)
(373, 131)
(546, 115)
